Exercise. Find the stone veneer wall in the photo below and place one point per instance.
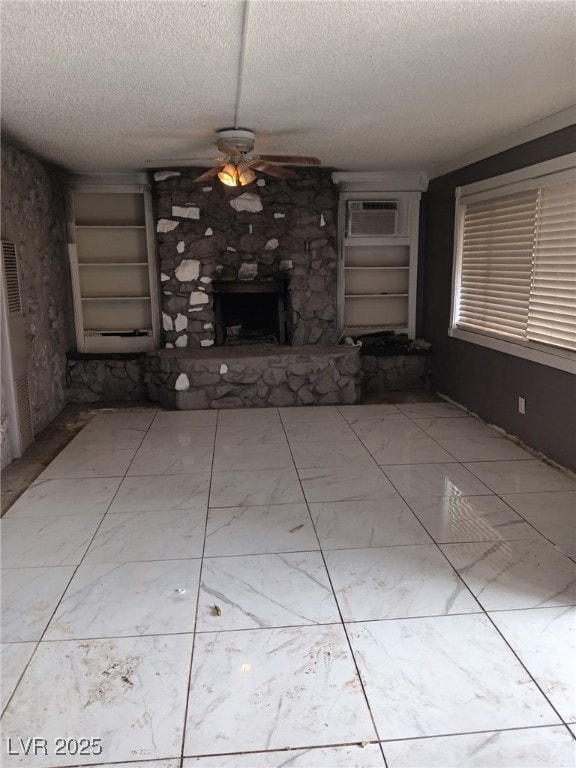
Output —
(33, 218)
(392, 373)
(272, 229)
(254, 377)
(114, 377)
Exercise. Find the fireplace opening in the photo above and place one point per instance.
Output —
(250, 313)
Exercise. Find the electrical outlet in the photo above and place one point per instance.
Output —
(522, 405)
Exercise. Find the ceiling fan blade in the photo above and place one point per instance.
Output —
(175, 162)
(290, 159)
(209, 173)
(271, 170)
(229, 149)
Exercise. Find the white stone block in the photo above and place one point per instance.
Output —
(209, 232)
(182, 383)
(206, 280)
(247, 202)
(167, 322)
(208, 326)
(187, 270)
(180, 247)
(195, 309)
(322, 221)
(272, 244)
(163, 175)
(206, 189)
(186, 211)
(286, 264)
(261, 182)
(169, 345)
(182, 341)
(279, 215)
(181, 322)
(207, 342)
(166, 225)
(164, 277)
(197, 297)
(223, 368)
(167, 293)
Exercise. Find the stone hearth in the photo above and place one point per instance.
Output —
(234, 377)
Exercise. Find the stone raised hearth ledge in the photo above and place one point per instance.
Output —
(260, 376)
(229, 377)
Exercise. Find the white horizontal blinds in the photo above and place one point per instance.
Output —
(552, 314)
(497, 257)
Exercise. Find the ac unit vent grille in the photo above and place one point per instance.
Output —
(14, 301)
(24, 411)
(372, 218)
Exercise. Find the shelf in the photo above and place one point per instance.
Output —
(373, 268)
(106, 332)
(376, 240)
(113, 264)
(115, 298)
(106, 244)
(372, 328)
(373, 295)
(110, 226)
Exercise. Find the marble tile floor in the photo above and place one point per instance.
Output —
(321, 587)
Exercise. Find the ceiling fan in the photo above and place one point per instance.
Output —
(239, 165)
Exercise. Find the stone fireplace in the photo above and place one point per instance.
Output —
(276, 240)
(248, 286)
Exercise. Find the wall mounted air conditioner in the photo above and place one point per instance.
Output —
(372, 218)
(15, 356)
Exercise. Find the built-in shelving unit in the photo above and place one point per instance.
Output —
(111, 246)
(377, 275)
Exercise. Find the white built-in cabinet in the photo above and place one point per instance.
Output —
(113, 267)
(378, 251)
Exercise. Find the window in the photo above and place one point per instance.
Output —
(515, 265)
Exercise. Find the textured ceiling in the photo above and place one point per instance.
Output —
(362, 84)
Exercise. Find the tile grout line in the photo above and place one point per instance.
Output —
(198, 593)
(308, 748)
(342, 623)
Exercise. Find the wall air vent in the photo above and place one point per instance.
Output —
(14, 356)
(24, 412)
(372, 218)
(12, 280)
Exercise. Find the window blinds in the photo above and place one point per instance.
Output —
(518, 266)
(552, 311)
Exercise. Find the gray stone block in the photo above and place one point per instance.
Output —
(281, 396)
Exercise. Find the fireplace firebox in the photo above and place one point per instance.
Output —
(250, 312)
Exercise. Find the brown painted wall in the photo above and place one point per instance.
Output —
(485, 381)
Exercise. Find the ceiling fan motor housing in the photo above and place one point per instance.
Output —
(238, 137)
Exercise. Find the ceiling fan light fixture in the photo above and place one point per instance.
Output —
(229, 175)
(245, 174)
